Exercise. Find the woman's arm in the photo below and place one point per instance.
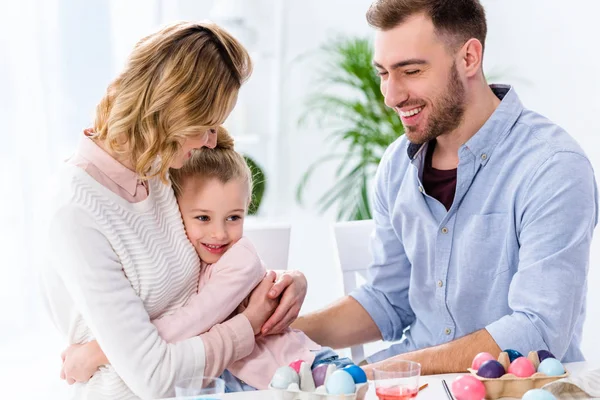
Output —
(94, 278)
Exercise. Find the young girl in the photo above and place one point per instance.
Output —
(118, 255)
(213, 190)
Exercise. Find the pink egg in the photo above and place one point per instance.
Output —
(480, 359)
(467, 387)
(522, 367)
(296, 365)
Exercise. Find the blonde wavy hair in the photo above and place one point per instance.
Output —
(222, 163)
(177, 83)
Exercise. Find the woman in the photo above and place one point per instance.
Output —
(118, 253)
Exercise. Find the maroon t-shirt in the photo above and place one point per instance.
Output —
(439, 184)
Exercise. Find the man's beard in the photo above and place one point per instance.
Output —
(446, 114)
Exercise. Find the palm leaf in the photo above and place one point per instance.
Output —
(359, 122)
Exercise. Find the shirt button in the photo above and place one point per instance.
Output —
(444, 230)
(484, 156)
(421, 189)
(440, 284)
(447, 331)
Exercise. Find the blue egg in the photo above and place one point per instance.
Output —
(340, 382)
(551, 367)
(513, 354)
(538, 394)
(357, 373)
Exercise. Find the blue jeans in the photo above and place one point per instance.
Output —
(323, 356)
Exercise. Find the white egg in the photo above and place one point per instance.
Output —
(284, 376)
(340, 382)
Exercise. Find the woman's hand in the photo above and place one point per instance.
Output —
(260, 306)
(291, 286)
(81, 361)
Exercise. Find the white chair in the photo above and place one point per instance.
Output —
(272, 241)
(352, 243)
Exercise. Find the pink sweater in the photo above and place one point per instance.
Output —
(223, 287)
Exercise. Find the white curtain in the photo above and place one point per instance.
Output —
(56, 59)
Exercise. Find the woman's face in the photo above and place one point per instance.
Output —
(207, 138)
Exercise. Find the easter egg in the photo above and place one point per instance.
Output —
(504, 360)
(319, 373)
(513, 354)
(543, 354)
(538, 394)
(467, 387)
(521, 367)
(480, 359)
(551, 367)
(491, 369)
(340, 382)
(357, 373)
(284, 376)
(296, 365)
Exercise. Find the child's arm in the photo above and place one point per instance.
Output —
(221, 290)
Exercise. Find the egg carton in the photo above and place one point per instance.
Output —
(282, 394)
(509, 385)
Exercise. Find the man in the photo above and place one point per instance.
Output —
(484, 210)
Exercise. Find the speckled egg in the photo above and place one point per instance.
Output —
(551, 367)
(340, 382)
(491, 369)
(538, 394)
(521, 367)
(283, 377)
(513, 354)
(357, 373)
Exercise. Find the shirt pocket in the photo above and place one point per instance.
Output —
(482, 251)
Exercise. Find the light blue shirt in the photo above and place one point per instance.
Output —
(510, 256)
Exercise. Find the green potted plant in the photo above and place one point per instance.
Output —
(259, 185)
(363, 127)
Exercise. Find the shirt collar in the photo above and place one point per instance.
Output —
(114, 170)
(497, 126)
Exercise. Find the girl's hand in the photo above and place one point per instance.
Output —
(260, 306)
(81, 361)
(291, 285)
